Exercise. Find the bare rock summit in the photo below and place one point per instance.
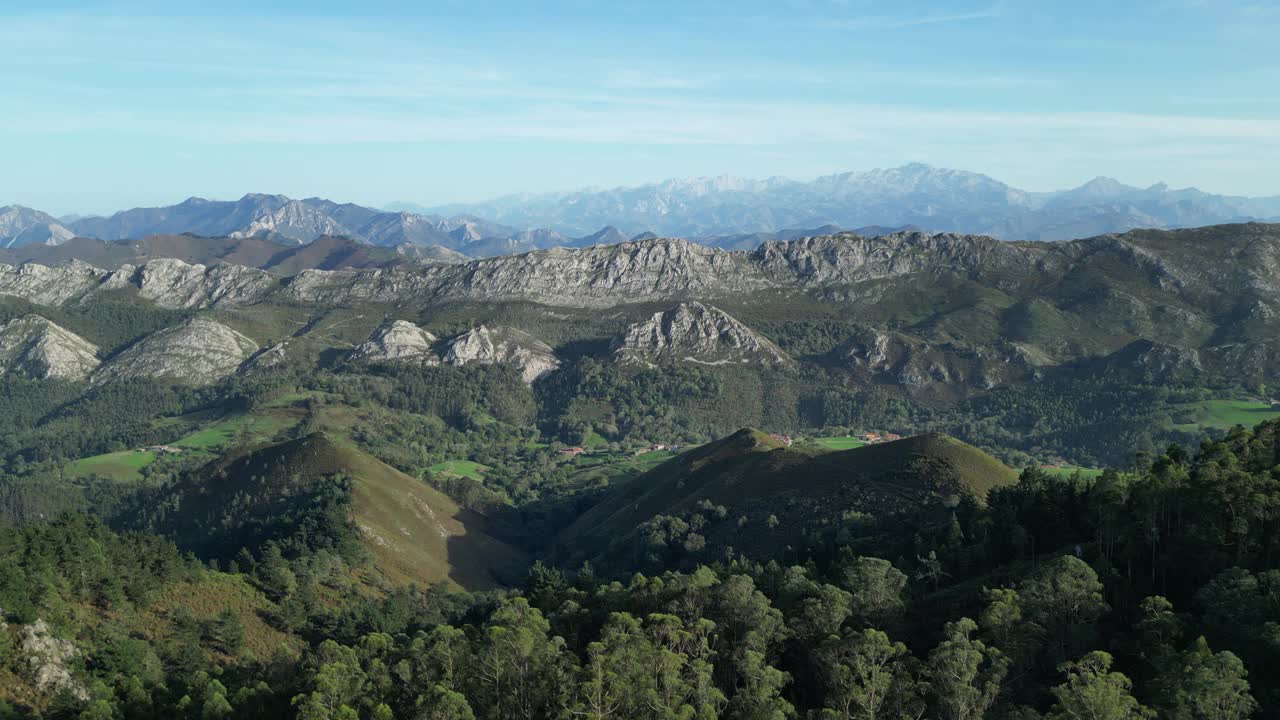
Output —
(695, 333)
(500, 344)
(198, 351)
(398, 341)
(36, 348)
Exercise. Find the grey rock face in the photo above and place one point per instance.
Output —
(399, 341)
(881, 356)
(49, 285)
(268, 357)
(293, 221)
(34, 347)
(197, 352)
(174, 284)
(491, 345)
(695, 333)
(24, 226)
(48, 661)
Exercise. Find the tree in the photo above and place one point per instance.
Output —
(227, 632)
(274, 575)
(860, 671)
(876, 589)
(1159, 629)
(520, 667)
(1008, 630)
(821, 614)
(1206, 686)
(758, 694)
(1065, 597)
(441, 703)
(1093, 692)
(966, 674)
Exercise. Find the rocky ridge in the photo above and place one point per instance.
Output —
(489, 345)
(198, 351)
(695, 333)
(24, 226)
(176, 285)
(398, 341)
(33, 347)
(890, 357)
(1200, 266)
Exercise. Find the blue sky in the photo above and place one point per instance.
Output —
(111, 105)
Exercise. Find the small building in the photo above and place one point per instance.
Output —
(572, 451)
(784, 439)
(890, 437)
(871, 437)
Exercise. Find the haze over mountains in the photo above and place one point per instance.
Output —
(725, 212)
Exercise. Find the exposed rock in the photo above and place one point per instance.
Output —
(398, 341)
(174, 284)
(500, 344)
(23, 226)
(1151, 362)
(881, 356)
(293, 221)
(434, 254)
(48, 661)
(695, 333)
(198, 351)
(269, 357)
(36, 348)
(49, 285)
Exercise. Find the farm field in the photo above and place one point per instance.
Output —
(460, 468)
(1068, 471)
(1226, 414)
(123, 466)
(839, 443)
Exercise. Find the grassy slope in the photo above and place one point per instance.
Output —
(418, 534)
(754, 477)
(460, 468)
(211, 595)
(215, 433)
(839, 443)
(414, 532)
(124, 466)
(1226, 414)
(1070, 471)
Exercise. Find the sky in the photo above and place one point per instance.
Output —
(111, 105)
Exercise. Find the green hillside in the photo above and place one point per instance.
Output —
(303, 491)
(749, 492)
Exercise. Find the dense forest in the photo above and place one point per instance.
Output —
(1149, 592)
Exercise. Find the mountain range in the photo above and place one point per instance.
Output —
(725, 212)
(915, 194)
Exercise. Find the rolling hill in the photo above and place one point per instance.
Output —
(750, 492)
(414, 533)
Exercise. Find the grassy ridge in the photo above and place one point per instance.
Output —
(775, 495)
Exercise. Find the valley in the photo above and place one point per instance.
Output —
(316, 453)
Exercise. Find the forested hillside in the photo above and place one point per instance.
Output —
(1137, 593)
(850, 481)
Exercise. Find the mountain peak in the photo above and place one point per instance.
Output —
(696, 334)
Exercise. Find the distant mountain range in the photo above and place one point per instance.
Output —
(725, 212)
(916, 194)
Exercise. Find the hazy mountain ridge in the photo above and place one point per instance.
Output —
(914, 194)
(727, 212)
